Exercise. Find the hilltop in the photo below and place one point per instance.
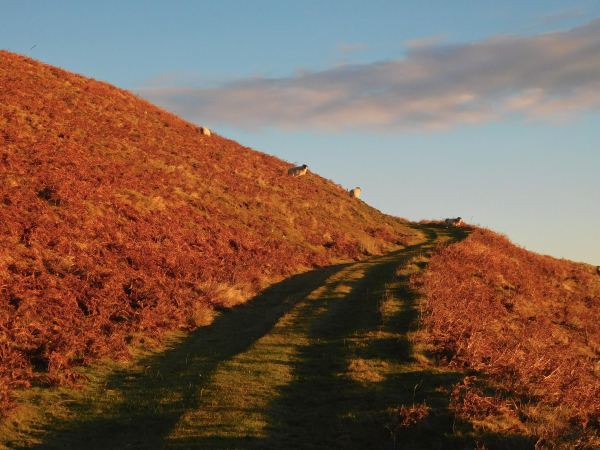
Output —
(119, 221)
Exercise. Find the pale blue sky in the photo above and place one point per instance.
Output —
(485, 110)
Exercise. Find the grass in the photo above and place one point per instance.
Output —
(327, 359)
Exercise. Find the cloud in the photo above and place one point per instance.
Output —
(163, 79)
(415, 44)
(562, 15)
(548, 76)
(348, 48)
(175, 78)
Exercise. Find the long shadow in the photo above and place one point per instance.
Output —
(323, 408)
(166, 385)
(334, 409)
(337, 411)
(320, 408)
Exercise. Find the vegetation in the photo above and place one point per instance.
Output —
(323, 359)
(120, 221)
(526, 328)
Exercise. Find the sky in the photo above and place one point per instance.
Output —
(485, 110)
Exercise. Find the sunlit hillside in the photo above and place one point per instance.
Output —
(119, 220)
(526, 329)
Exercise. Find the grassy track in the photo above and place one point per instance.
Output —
(322, 360)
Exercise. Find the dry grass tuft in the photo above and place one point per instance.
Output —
(368, 247)
(366, 371)
(398, 420)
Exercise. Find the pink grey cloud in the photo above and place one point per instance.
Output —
(562, 15)
(348, 48)
(549, 76)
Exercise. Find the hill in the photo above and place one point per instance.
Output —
(526, 330)
(119, 221)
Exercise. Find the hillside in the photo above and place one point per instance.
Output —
(119, 221)
(526, 329)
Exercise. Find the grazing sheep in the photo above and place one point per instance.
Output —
(205, 131)
(298, 171)
(453, 222)
(354, 193)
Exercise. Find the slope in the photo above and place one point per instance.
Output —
(119, 221)
(527, 328)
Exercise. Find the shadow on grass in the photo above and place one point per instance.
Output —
(323, 407)
(145, 405)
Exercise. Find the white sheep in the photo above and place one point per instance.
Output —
(205, 131)
(298, 171)
(354, 193)
(453, 222)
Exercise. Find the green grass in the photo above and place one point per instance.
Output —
(322, 360)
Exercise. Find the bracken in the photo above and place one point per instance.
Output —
(119, 220)
(530, 323)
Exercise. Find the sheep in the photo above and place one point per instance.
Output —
(205, 131)
(453, 222)
(298, 171)
(354, 193)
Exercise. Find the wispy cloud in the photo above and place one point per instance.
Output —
(349, 48)
(563, 15)
(163, 79)
(415, 44)
(436, 86)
